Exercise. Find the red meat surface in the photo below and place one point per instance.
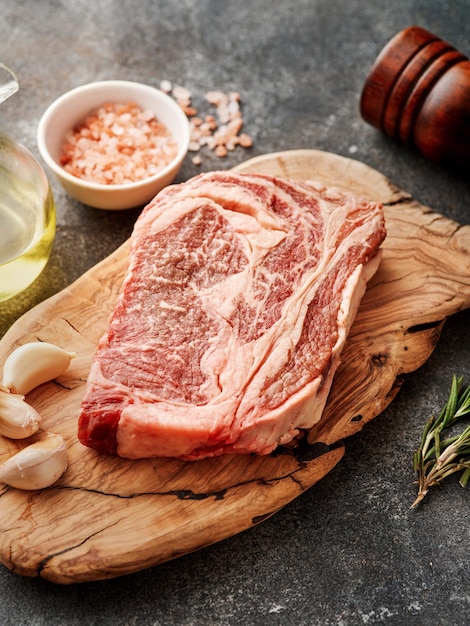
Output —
(238, 298)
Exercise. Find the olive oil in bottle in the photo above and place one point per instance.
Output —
(27, 218)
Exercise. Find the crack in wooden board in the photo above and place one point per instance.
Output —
(78, 547)
(164, 508)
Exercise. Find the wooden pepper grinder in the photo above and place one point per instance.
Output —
(418, 91)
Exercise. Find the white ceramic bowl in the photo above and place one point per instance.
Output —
(74, 106)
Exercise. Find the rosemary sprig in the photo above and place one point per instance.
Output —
(437, 458)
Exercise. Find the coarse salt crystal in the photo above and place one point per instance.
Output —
(114, 138)
(221, 133)
(166, 86)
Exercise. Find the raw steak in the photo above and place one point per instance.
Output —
(238, 298)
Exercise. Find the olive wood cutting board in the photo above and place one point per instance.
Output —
(107, 517)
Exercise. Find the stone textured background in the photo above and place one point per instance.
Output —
(349, 551)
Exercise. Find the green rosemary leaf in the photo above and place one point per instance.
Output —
(451, 406)
(438, 457)
(464, 405)
(465, 477)
(417, 460)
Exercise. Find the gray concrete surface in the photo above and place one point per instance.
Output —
(349, 551)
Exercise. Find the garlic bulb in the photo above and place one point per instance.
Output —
(32, 364)
(18, 419)
(37, 466)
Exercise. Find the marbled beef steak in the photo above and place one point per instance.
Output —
(239, 294)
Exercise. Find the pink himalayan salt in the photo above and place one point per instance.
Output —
(118, 144)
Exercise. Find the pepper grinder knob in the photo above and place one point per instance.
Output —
(418, 92)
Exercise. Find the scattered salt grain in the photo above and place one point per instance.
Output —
(220, 133)
(166, 86)
(118, 144)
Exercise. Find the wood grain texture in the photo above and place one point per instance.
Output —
(108, 517)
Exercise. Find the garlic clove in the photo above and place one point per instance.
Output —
(37, 466)
(18, 419)
(33, 364)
